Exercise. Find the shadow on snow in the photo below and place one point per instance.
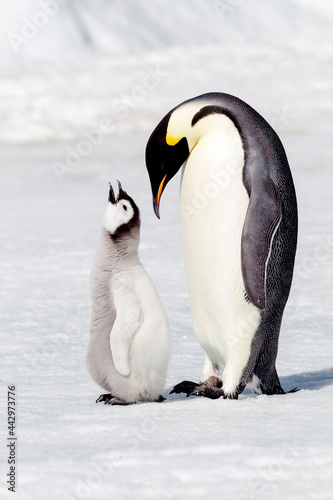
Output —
(312, 381)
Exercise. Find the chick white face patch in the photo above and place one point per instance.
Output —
(117, 214)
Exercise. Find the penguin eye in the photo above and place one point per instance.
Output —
(124, 207)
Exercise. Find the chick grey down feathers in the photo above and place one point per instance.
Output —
(129, 337)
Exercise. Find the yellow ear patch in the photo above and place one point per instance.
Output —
(171, 141)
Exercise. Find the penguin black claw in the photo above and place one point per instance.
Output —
(208, 392)
(109, 399)
(104, 397)
(295, 389)
(184, 387)
(118, 402)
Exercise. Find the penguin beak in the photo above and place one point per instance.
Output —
(112, 198)
(156, 201)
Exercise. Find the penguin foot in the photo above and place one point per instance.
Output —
(277, 390)
(104, 397)
(160, 399)
(201, 389)
(208, 392)
(295, 389)
(186, 386)
(112, 400)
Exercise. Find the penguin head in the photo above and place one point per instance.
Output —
(174, 138)
(122, 216)
(166, 151)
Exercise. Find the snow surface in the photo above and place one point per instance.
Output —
(128, 63)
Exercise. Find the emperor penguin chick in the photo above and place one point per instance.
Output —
(129, 336)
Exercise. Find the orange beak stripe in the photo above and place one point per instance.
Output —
(160, 189)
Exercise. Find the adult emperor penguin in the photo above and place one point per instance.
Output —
(239, 235)
(129, 336)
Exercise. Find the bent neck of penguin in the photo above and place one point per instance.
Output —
(214, 127)
(211, 125)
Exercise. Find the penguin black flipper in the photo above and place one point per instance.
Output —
(272, 209)
(261, 222)
(268, 182)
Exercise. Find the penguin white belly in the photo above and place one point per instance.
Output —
(213, 205)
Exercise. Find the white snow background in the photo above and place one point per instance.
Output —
(82, 85)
